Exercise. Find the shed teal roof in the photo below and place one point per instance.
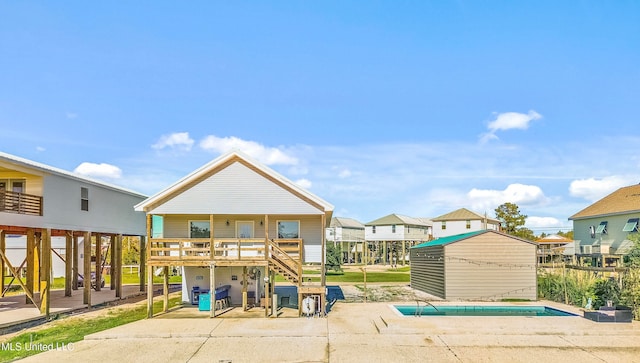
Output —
(450, 239)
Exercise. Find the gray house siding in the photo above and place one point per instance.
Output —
(109, 211)
(602, 243)
(427, 270)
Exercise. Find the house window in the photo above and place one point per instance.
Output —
(393, 228)
(631, 225)
(373, 229)
(84, 198)
(288, 229)
(468, 224)
(602, 228)
(199, 229)
(17, 186)
(444, 224)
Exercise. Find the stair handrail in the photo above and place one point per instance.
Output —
(284, 259)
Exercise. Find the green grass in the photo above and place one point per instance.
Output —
(127, 278)
(71, 330)
(391, 275)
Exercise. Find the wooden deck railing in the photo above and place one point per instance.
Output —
(20, 203)
(176, 250)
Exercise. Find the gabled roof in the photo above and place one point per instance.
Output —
(462, 214)
(460, 237)
(392, 219)
(554, 238)
(222, 162)
(346, 223)
(622, 201)
(48, 169)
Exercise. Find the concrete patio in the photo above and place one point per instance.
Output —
(358, 332)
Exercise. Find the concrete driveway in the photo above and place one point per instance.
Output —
(358, 332)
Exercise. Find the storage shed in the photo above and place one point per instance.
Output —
(481, 265)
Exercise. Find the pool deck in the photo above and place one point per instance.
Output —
(358, 332)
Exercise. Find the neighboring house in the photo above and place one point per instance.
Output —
(462, 221)
(348, 234)
(552, 248)
(601, 230)
(39, 202)
(481, 265)
(16, 252)
(389, 238)
(236, 223)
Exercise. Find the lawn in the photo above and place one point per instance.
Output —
(61, 334)
(390, 275)
(128, 277)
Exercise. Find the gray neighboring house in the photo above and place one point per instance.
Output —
(38, 203)
(392, 236)
(462, 221)
(481, 265)
(348, 233)
(601, 230)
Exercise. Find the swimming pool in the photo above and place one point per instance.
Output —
(479, 310)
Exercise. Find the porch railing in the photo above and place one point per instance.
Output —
(20, 203)
(200, 249)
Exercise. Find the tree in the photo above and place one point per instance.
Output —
(567, 234)
(631, 280)
(333, 258)
(130, 251)
(513, 221)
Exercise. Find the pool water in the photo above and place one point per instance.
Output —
(474, 310)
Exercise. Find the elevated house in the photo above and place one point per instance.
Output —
(462, 221)
(348, 234)
(481, 265)
(39, 203)
(232, 225)
(390, 237)
(601, 230)
(552, 248)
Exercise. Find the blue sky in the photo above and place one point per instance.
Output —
(416, 108)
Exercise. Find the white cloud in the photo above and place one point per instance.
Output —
(520, 194)
(177, 140)
(267, 155)
(99, 170)
(509, 121)
(71, 115)
(345, 173)
(593, 189)
(303, 183)
(543, 222)
(40, 149)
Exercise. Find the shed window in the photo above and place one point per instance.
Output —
(602, 228)
(631, 226)
(84, 198)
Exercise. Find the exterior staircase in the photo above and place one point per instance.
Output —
(285, 265)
